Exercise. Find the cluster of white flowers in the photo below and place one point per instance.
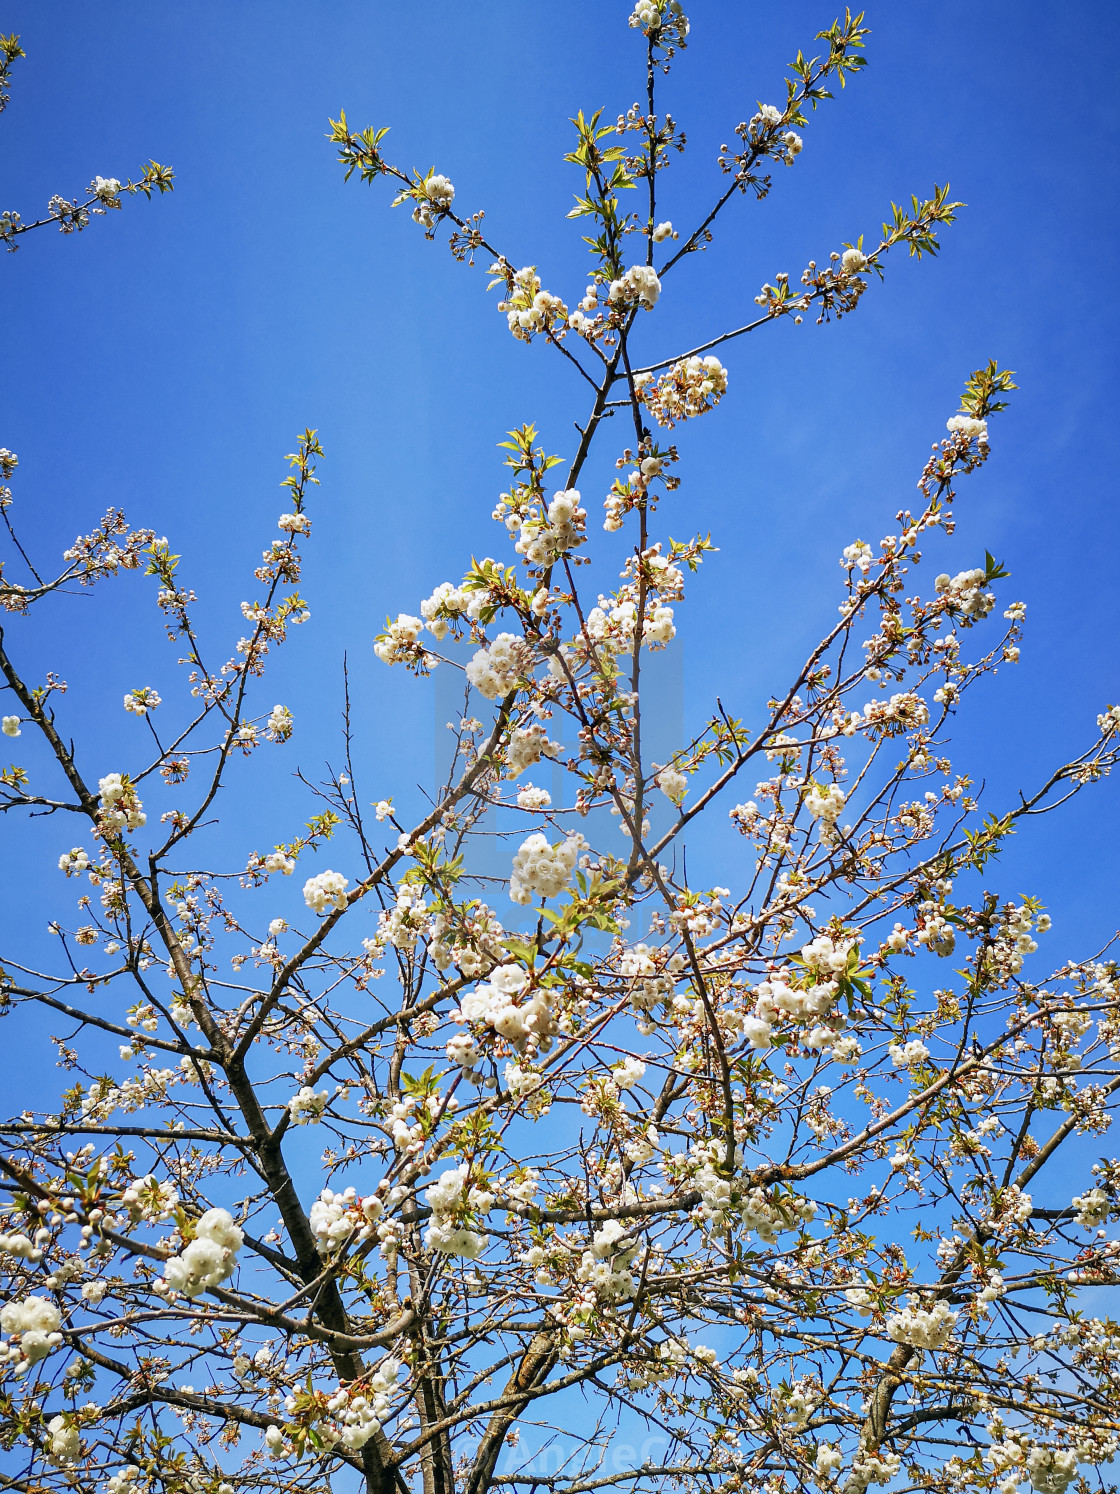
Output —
(294, 523)
(964, 593)
(359, 1414)
(642, 966)
(921, 1327)
(1093, 1207)
(402, 925)
(335, 1217)
(826, 802)
(35, 1322)
(140, 702)
(526, 746)
(829, 1459)
(628, 1073)
(433, 197)
(857, 556)
(664, 231)
(614, 627)
(812, 1005)
(605, 1267)
(446, 604)
(656, 16)
(968, 425)
(455, 1204)
(878, 1467)
(1051, 1469)
(533, 799)
(21, 1247)
(721, 1201)
(10, 726)
(73, 862)
(542, 540)
(1012, 940)
(529, 309)
(689, 388)
(672, 783)
(120, 804)
(209, 1258)
(279, 725)
(904, 709)
(523, 1020)
(105, 187)
(908, 1055)
(1011, 1207)
(1108, 722)
(494, 671)
(640, 284)
(149, 1199)
(622, 497)
(326, 892)
(539, 868)
(306, 1106)
(398, 642)
(279, 861)
(65, 1440)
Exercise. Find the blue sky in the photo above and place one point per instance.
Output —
(165, 359)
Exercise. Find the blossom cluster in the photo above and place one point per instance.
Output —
(120, 806)
(326, 893)
(209, 1258)
(457, 1204)
(691, 387)
(542, 869)
(503, 1004)
(529, 309)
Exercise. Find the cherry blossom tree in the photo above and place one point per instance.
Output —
(786, 1178)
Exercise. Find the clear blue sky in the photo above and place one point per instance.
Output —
(166, 358)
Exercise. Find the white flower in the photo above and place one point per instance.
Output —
(639, 283)
(541, 868)
(279, 724)
(494, 671)
(32, 1315)
(965, 593)
(689, 388)
(294, 523)
(73, 862)
(209, 1258)
(664, 231)
(852, 260)
(829, 1458)
(1050, 1470)
(968, 425)
(306, 1107)
(21, 1247)
(532, 798)
(65, 1444)
(628, 1073)
(10, 726)
(825, 802)
(398, 642)
(908, 1055)
(106, 187)
(922, 1328)
(326, 892)
(140, 702)
(672, 783)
